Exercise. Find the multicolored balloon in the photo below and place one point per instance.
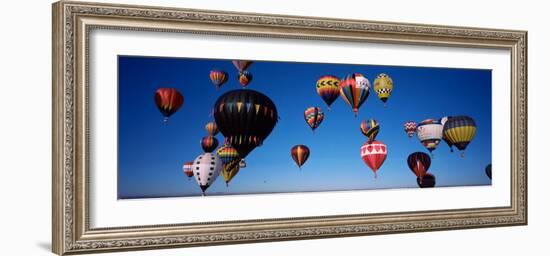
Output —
(206, 168)
(245, 78)
(410, 128)
(242, 65)
(314, 117)
(230, 159)
(419, 163)
(383, 86)
(430, 132)
(211, 128)
(209, 143)
(328, 87)
(449, 143)
(245, 118)
(300, 154)
(427, 182)
(188, 169)
(370, 128)
(460, 131)
(229, 171)
(354, 89)
(374, 154)
(488, 171)
(218, 78)
(168, 101)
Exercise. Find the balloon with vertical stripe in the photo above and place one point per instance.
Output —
(419, 163)
(245, 78)
(218, 78)
(314, 117)
(300, 154)
(354, 89)
(328, 87)
(211, 128)
(168, 101)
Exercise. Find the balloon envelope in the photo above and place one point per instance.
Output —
(374, 154)
(488, 171)
(370, 129)
(314, 116)
(300, 154)
(218, 78)
(383, 86)
(168, 101)
(245, 78)
(328, 87)
(419, 163)
(206, 168)
(211, 128)
(209, 144)
(410, 128)
(460, 131)
(188, 169)
(354, 89)
(430, 132)
(242, 65)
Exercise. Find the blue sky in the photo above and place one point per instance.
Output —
(151, 153)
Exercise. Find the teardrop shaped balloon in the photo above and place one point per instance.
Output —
(370, 129)
(430, 133)
(218, 78)
(206, 168)
(354, 89)
(419, 163)
(211, 128)
(300, 154)
(245, 78)
(374, 154)
(209, 144)
(230, 170)
(460, 131)
(188, 169)
(230, 159)
(383, 86)
(410, 128)
(328, 87)
(314, 116)
(449, 143)
(242, 65)
(168, 101)
(427, 182)
(245, 118)
(488, 171)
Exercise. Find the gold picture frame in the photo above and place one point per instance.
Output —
(72, 22)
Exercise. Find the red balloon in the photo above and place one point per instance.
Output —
(188, 169)
(209, 143)
(419, 163)
(168, 101)
(374, 154)
(300, 154)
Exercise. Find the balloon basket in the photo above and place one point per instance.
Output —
(165, 120)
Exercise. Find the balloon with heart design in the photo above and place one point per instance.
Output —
(374, 154)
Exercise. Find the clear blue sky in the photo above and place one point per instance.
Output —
(151, 153)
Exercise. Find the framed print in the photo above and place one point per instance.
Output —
(178, 127)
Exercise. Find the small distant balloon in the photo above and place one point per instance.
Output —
(209, 144)
(211, 128)
(242, 65)
(328, 87)
(218, 78)
(370, 129)
(242, 164)
(410, 128)
(300, 154)
(245, 78)
(168, 101)
(314, 117)
(489, 172)
(383, 86)
(188, 169)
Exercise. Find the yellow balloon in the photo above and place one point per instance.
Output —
(383, 86)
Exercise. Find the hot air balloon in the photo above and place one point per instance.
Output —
(383, 86)
(460, 130)
(230, 159)
(354, 89)
(168, 101)
(430, 132)
(209, 143)
(211, 128)
(370, 129)
(314, 116)
(419, 163)
(328, 88)
(427, 182)
(206, 168)
(410, 128)
(245, 118)
(218, 78)
(449, 143)
(188, 169)
(242, 164)
(245, 78)
(300, 154)
(374, 154)
(242, 65)
(488, 171)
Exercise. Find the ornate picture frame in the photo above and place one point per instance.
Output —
(72, 23)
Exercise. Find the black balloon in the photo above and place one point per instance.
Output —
(427, 182)
(488, 171)
(245, 118)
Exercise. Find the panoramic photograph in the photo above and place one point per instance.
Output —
(214, 127)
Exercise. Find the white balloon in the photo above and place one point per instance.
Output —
(206, 168)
